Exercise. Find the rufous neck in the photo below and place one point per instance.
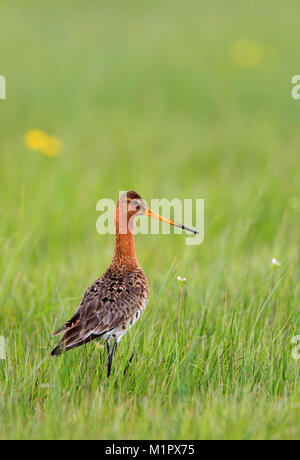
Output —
(124, 247)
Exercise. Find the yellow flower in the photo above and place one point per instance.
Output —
(246, 53)
(41, 141)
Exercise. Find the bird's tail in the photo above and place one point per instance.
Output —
(57, 350)
(66, 345)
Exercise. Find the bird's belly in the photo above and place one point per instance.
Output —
(118, 332)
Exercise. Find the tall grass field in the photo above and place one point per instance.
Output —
(171, 99)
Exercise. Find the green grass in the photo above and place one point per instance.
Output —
(145, 95)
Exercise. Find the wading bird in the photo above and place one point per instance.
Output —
(117, 299)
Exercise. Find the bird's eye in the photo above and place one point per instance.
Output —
(135, 203)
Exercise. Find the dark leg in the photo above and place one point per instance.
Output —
(129, 362)
(110, 356)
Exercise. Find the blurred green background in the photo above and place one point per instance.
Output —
(171, 99)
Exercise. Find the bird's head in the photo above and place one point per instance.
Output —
(130, 205)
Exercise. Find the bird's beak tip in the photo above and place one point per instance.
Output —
(150, 213)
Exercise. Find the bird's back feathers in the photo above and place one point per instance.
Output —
(109, 307)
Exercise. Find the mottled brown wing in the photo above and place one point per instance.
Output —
(108, 303)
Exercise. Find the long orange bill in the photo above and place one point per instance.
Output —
(150, 213)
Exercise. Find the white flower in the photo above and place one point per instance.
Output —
(182, 279)
(275, 263)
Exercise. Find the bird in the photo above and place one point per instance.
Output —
(115, 301)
